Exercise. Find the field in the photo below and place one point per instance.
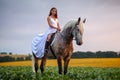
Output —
(85, 62)
(79, 69)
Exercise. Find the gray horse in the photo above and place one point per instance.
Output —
(62, 45)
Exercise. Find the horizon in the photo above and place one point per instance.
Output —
(9, 53)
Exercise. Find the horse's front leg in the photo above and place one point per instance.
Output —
(43, 62)
(59, 61)
(66, 62)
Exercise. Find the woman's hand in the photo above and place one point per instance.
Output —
(58, 29)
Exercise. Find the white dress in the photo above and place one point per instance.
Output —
(38, 43)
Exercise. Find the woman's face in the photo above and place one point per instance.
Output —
(54, 12)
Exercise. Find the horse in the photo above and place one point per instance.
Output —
(62, 45)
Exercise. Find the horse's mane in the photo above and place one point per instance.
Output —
(68, 27)
(69, 24)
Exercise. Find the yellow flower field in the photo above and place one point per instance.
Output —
(85, 62)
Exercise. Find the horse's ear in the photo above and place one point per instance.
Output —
(79, 19)
(84, 20)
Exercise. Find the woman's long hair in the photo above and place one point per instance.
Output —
(56, 16)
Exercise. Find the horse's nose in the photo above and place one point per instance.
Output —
(80, 43)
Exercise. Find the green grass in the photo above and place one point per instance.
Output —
(51, 73)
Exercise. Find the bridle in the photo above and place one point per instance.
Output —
(70, 34)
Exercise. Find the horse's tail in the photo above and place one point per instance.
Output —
(33, 62)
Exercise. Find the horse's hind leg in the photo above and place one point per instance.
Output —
(66, 62)
(43, 62)
(35, 63)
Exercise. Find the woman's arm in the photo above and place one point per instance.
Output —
(48, 19)
(59, 28)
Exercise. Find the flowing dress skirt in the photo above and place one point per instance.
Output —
(38, 44)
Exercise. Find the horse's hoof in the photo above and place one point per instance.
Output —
(60, 73)
(65, 73)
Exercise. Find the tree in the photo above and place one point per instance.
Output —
(10, 53)
(6, 59)
(3, 53)
(20, 59)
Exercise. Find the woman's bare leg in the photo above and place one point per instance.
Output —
(49, 37)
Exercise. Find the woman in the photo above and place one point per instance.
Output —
(38, 43)
(53, 22)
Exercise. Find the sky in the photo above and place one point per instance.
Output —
(22, 20)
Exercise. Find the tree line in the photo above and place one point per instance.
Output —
(89, 54)
(98, 54)
(77, 54)
(6, 57)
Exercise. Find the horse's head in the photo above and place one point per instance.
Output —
(78, 30)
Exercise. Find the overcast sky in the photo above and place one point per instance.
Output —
(21, 20)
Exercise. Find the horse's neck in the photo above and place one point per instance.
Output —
(67, 35)
(67, 31)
